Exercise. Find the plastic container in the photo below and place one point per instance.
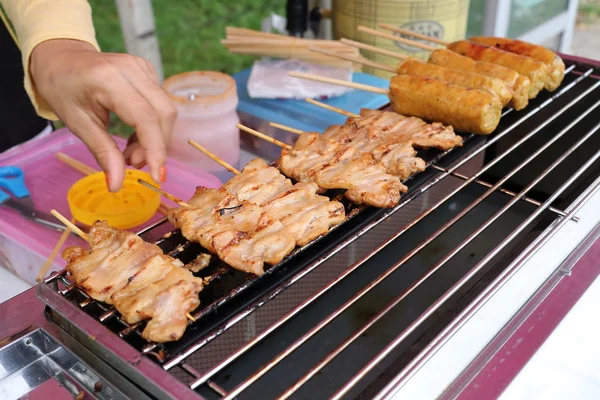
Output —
(26, 245)
(90, 200)
(207, 103)
(444, 19)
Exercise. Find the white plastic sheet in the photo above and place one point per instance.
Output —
(269, 79)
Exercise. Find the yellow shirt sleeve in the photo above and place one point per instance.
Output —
(36, 21)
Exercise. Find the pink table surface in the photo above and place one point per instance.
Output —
(49, 180)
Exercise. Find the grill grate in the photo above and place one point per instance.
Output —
(177, 357)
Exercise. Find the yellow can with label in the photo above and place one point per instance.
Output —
(443, 19)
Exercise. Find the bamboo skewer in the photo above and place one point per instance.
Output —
(87, 170)
(246, 41)
(357, 60)
(54, 253)
(264, 137)
(162, 192)
(70, 225)
(75, 164)
(413, 34)
(396, 38)
(374, 49)
(85, 237)
(214, 157)
(331, 108)
(339, 82)
(279, 143)
(286, 128)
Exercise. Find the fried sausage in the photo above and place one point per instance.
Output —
(519, 84)
(536, 71)
(554, 64)
(469, 80)
(467, 110)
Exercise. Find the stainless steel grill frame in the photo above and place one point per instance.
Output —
(141, 370)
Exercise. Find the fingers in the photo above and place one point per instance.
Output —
(102, 146)
(147, 85)
(137, 112)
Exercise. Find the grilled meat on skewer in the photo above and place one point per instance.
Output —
(253, 208)
(142, 282)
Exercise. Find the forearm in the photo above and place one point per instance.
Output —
(36, 21)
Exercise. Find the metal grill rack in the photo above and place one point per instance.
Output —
(555, 130)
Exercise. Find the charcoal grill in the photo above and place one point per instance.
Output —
(360, 312)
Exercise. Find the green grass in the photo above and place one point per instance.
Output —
(189, 34)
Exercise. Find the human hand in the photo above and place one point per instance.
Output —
(82, 86)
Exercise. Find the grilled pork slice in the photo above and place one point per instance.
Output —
(242, 217)
(315, 142)
(202, 205)
(169, 311)
(304, 214)
(399, 160)
(257, 183)
(139, 305)
(212, 211)
(365, 179)
(422, 135)
(155, 269)
(119, 257)
(302, 165)
(141, 281)
(268, 243)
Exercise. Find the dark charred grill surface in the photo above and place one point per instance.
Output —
(426, 251)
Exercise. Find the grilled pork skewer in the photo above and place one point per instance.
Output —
(517, 83)
(555, 65)
(373, 125)
(388, 137)
(536, 71)
(466, 110)
(343, 167)
(138, 278)
(259, 217)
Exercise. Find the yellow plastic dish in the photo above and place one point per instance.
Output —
(90, 200)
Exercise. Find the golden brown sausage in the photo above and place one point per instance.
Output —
(554, 64)
(519, 84)
(468, 80)
(534, 70)
(467, 110)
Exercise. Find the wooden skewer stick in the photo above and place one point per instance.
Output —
(408, 32)
(75, 164)
(396, 38)
(374, 49)
(339, 82)
(286, 128)
(214, 157)
(167, 195)
(358, 60)
(264, 137)
(70, 225)
(189, 316)
(84, 169)
(54, 253)
(331, 108)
